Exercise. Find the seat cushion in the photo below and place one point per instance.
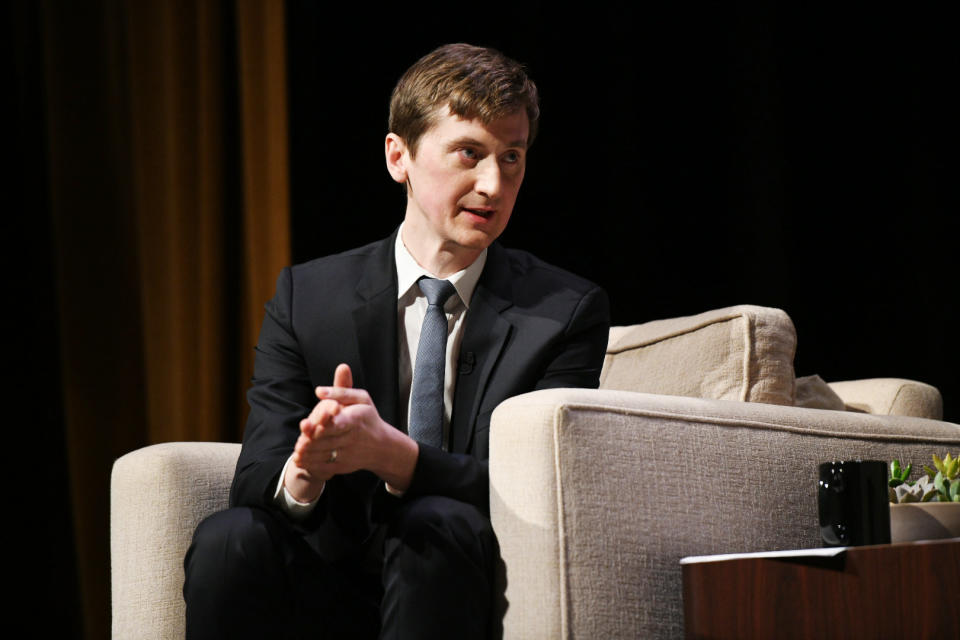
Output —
(740, 353)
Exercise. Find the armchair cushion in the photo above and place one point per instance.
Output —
(737, 353)
(812, 392)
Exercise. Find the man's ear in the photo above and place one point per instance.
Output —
(396, 152)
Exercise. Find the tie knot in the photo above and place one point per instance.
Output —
(437, 291)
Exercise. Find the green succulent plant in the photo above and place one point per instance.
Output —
(947, 477)
(944, 486)
(898, 474)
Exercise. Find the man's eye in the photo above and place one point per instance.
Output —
(512, 157)
(468, 154)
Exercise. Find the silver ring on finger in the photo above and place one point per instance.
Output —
(333, 456)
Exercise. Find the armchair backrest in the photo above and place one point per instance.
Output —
(745, 353)
(742, 353)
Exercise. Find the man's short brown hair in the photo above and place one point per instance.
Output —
(474, 82)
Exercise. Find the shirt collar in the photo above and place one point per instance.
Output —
(409, 271)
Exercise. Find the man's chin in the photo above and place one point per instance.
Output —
(475, 240)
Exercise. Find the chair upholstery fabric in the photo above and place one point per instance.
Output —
(891, 396)
(596, 495)
(738, 353)
(158, 495)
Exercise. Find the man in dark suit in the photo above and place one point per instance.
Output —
(353, 512)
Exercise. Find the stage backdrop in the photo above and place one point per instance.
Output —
(689, 158)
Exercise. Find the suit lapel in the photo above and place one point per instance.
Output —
(485, 335)
(375, 319)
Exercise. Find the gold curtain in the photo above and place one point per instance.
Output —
(168, 183)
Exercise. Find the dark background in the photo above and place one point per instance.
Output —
(690, 157)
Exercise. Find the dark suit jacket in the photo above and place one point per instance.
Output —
(529, 326)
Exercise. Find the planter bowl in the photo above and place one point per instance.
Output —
(924, 521)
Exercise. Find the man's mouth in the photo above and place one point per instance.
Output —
(483, 212)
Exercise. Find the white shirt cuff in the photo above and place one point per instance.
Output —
(293, 507)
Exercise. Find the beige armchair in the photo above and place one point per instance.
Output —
(699, 441)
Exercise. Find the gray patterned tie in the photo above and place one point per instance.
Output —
(426, 394)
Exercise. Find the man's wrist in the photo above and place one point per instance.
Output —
(301, 485)
(401, 463)
(287, 502)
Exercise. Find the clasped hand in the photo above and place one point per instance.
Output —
(346, 421)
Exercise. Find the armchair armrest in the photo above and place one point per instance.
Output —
(158, 495)
(891, 396)
(595, 496)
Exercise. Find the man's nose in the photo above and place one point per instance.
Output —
(489, 178)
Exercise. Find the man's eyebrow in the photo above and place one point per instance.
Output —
(467, 140)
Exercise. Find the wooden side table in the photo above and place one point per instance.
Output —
(897, 591)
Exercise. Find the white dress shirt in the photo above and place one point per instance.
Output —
(411, 309)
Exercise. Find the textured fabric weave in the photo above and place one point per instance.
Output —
(426, 395)
(158, 495)
(740, 353)
(891, 396)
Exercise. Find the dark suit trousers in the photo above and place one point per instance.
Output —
(426, 573)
